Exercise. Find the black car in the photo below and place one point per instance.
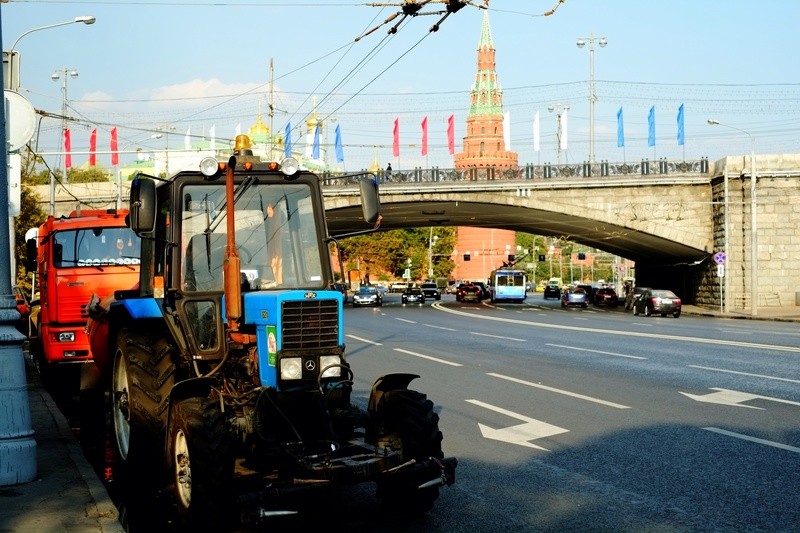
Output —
(606, 296)
(484, 290)
(659, 301)
(552, 290)
(467, 292)
(431, 290)
(413, 295)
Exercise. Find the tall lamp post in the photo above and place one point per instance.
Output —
(165, 129)
(13, 71)
(753, 219)
(431, 241)
(64, 73)
(559, 109)
(592, 97)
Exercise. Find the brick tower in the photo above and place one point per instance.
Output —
(484, 148)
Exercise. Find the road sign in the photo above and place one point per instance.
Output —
(720, 258)
(721, 271)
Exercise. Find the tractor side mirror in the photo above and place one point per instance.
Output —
(370, 200)
(143, 205)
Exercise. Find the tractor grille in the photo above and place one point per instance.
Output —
(310, 324)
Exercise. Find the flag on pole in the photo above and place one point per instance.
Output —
(187, 141)
(620, 129)
(238, 129)
(338, 144)
(67, 150)
(680, 125)
(114, 153)
(451, 144)
(212, 132)
(425, 136)
(396, 138)
(287, 140)
(507, 130)
(93, 148)
(536, 134)
(315, 147)
(651, 127)
(564, 130)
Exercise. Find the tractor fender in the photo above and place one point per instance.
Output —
(386, 383)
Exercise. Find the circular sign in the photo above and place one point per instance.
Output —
(21, 120)
(720, 258)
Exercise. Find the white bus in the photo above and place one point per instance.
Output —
(508, 284)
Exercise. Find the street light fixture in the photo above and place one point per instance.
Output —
(13, 82)
(432, 239)
(753, 219)
(560, 109)
(64, 73)
(592, 97)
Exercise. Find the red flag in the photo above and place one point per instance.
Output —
(93, 148)
(396, 138)
(451, 144)
(114, 153)
(67, 150)
(425, 136)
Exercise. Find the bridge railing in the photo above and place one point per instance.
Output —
(546, 171)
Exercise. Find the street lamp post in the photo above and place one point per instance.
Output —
(166, 129)
(753, 218)
(559, 109)
(13, 82)
(64, 73)
(592, 97)
(431, 241)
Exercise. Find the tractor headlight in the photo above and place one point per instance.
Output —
(292, 368)
(290, 166)
(330, 366)
(209, 166)
(66, 336)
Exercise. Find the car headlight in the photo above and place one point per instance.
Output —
(66, 336)
(292, 368)
(330, 365)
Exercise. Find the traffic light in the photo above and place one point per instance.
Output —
(541, 258)
(511, 258)
(581, 256)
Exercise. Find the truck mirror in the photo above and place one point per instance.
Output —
(30, 255)
(370, 201)
(143, 205)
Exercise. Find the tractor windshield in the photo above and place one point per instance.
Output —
(276, 237)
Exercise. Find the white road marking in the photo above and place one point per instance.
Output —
(439, 327)
(596, 351)
(363, 340)
(744, 373)
(559, 391)
(431, 358)
(754, 439)
(733, 397)
(405, 320)
(530, 429)
(496, 336)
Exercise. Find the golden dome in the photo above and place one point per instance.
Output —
(259, 127)
(376, 167)
(311, 123)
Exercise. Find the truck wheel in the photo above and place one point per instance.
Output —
(142, 376)
(201, 463)
(408, 418)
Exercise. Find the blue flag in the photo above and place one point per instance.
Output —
(680, 125)
(287, 141)
(620, 129)
(651, 126)
(338, 144)
(315, 148)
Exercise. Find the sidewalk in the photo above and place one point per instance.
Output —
(66, 496)
(786, 313)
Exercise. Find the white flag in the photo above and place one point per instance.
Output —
(238, 129)
(507, 129)
(212, 133)
(564, 130)
(187, 141)
(536, 132)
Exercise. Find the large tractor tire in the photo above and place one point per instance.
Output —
(411, 423)
(143, 373)
(201, 464)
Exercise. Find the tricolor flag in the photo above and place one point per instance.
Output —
(93, 148)
(680, 125)
(425, 136)
(67, 150)
(651, 127)
(114, 153)
(451, 145)
(396, 138)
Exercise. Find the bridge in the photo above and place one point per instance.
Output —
(668, 217)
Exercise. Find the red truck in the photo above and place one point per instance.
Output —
(89, 252)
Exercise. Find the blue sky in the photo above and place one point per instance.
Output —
(197, 65)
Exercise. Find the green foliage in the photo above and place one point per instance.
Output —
(30, 216)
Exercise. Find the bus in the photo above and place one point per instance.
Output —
(508, 284)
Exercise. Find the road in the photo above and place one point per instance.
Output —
(582, 419)
(597, 420)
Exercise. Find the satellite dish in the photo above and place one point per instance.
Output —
(20, 120)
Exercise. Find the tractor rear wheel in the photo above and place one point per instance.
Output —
(408, 418)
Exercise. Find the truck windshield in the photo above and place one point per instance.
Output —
(93, 247)
(276, 237)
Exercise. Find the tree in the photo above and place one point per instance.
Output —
(30, 216)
